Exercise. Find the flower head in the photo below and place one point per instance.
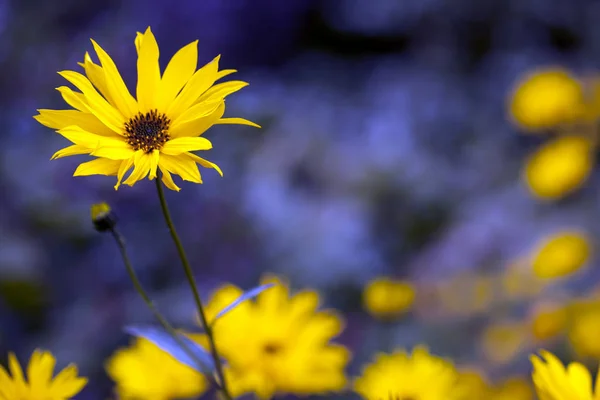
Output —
(409, 376)
(157, 131)
(553, 381)
(144, 371)
(39, 383)
(278, 343)
(387, 298)
(561, 254)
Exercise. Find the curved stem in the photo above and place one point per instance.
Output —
(140, 289)
(190, 277)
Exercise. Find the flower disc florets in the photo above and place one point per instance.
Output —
(148, 131)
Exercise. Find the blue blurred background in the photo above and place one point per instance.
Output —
(385, 150)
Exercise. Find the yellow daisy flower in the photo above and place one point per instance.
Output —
(409, 376)
(144, 371)
(159, 130)
(561, 254)
(278, 343)
(39, 383)
(553, 381)
(387, 298)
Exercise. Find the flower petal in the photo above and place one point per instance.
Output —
(196, 111)
(179, 70)
(71, 151)
(205, 163)
(148, 84)
(182, 166)
(79, 136)
(67, 382)
(74, 99)
(181, 145)
(58, 119)
(123, 168)
(141, 162)
(114, 152)
(15, 368)
(197, 126)
(222, 90)
(167, 179)
(119, 93)
(237, 121)
(154, 157)
(99, 166)
(224, 72)
(95, 74)
(96, 104)
(198, 84)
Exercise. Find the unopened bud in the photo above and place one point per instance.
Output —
(102, 217)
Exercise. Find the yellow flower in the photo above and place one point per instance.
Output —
(548, 322)
(409, 376)
(278, 343)
(144, 371)
(561, 254)
(511, 389)
(553, 381)
(584, 331)
(472, 384)
(386, 298)
(39, 385)
(559, 167)
(159, 130)
(546, 98)
(503, 341)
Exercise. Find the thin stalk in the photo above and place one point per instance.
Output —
(190, 277)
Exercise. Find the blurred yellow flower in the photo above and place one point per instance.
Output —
(387, 298)
(472, 384)
(39, 384)
(144, 371)
(278, 343)
(561, 254)
(546, 98)
(501, 342)
(548, 322)
(409, 376)
(159, 130)
(584, 331)
(515, 388)
(559, 167)
(553, 381)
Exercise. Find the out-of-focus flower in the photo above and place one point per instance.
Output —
(144, 371)
(472, 384)
(278, 343)
(159, 130)
(584, 330)
(548, 322)
(102, 217)
(559, 167)
(518, 281)
(399, 375)
(561, 254)
(387, 298)
(39, 383)
(553, 381)
(546, 98)
(502, 342)
(515, 388)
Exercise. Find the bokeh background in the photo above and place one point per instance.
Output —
(387, 150)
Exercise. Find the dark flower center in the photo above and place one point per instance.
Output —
(148, 131)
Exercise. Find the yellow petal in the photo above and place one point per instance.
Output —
(179, 70)
(40, 369)
(181, 145)
(182, 166)
(198, 84)
(197, 126)
(139, 38)
(123, 168)
(71, 151)
(154, 157)
(58, 119)
(114, 152)
(79, 136)
(141, 162)
(224, 72)
(95, 74)
(237, 121)
(196, 111)
(96, 104)
(167, 179)
(222, 90)
(148, 84)
(15, 368)
(205, 163)
(68, 382)
(99, 166)
(74, 99)
(114, 83)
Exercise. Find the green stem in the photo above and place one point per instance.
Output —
(140, 289)
(190, 277)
